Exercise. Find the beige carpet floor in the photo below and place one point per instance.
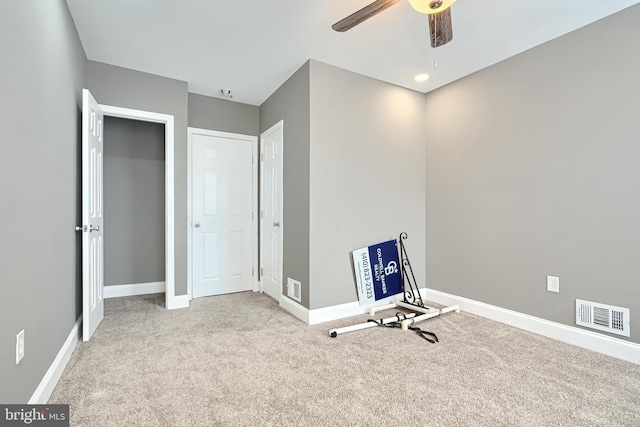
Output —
(241, 360)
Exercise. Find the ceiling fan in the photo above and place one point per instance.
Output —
(438, 11)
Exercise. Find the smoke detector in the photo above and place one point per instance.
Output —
(226, 93)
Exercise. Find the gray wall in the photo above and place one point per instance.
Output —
(42, 75)
(366, 173)
(122, 87)
(134, 210)
(206, 112)
(341, 130)
(533, 169)
(291, 104)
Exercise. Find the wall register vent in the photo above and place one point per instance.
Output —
(294, 290)
(602, 317)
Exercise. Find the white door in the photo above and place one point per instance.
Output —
(92, 230)
(221, 223)
(271, 210)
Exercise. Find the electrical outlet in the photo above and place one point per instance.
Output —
(19, 346)
(553, 284)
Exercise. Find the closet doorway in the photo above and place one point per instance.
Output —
(139, 187)
(134, 165)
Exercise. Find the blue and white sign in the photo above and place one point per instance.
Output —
(377, 271)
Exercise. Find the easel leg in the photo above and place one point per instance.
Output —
(374, 310)
(366, 325)
(408, 306)
(408, 322)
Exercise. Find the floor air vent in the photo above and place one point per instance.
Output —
(603, 317)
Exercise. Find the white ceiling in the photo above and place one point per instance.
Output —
(252, 47)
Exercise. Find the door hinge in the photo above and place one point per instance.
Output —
(253, 271)
(261, 214)
(261, 271)
(262, 157)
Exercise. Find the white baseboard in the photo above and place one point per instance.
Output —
(173, 302)
(295, 308)
(610, 346)
(177, 301)
(51, 377)
(326, 314)
(115, 291)
(605, 344)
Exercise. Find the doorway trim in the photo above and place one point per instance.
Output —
(171, 299)
(254, 200)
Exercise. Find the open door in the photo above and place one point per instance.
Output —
(92, 222)
(271, 196)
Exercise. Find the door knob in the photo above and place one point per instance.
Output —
(92, 228)
(196, 225)
(79, 228)
(276, 224)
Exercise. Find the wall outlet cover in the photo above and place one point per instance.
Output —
(553, 284)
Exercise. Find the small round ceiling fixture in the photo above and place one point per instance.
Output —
(431, 6)
(422, 77)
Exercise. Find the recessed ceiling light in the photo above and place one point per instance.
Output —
(422, 77)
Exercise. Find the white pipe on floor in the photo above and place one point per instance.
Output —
(366, 325)
(425, 310)
(374, 310)
(410, 321)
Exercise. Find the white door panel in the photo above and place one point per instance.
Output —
(222, 241)
(92, 211)
(271, 143)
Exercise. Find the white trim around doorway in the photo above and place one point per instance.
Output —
(172, 300)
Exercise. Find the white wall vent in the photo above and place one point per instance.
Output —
(294, 289)
(603, 317)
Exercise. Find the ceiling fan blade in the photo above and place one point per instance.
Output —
(363, 14)
(440, 28)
